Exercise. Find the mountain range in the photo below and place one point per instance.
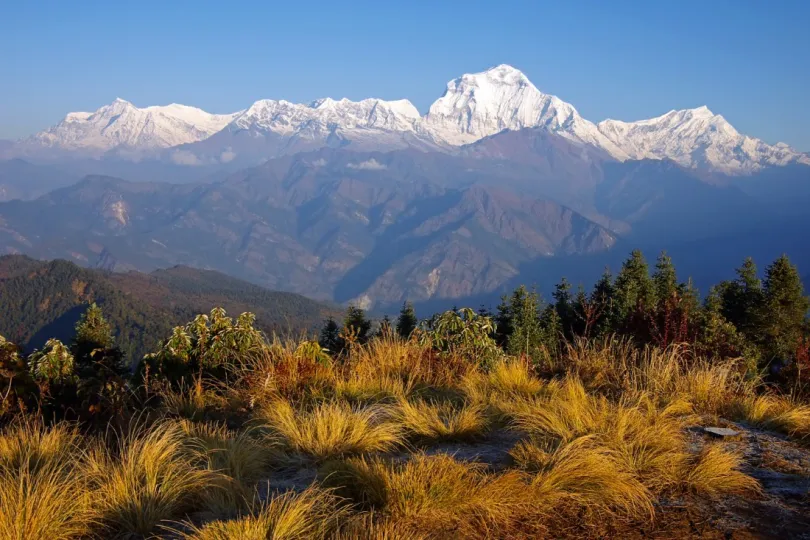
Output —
(473, 106)
(372, 202)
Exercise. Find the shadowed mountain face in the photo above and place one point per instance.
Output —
(376, 228)
(379, 227)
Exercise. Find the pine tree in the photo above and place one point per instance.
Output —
(665, 278)
(92, 332)
(357, 323)
(407, 321)
(526, 336)
(602, 298)
(742, 301)
(634, 290)
(330, 336)
(783, 313)
(503, 322)
(564, 305)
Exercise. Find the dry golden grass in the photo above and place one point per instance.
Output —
(239, 459)
(779, 413)
(430, 421)
(435, 493)
(331, 429)
(148, 478)
(716, 472)
(584, 475)
(360, 389)
(314, 514)
(42, 491)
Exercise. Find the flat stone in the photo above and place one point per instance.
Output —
(720, 432)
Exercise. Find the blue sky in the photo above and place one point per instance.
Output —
(747, 60)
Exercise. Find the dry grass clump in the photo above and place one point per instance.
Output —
(387, 387)
(775, 412)
(331, 429)
(630, 437)
(149, 477)
(431, 421)
(616, 368)
(239, 459)
(406, 360)
(313, 513)
(715, 472)
(435, 493)
(583, 475)
(42, 491)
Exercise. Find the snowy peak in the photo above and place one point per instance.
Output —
(697, 138)
(327, 115)
(122, 124)
(502, 98)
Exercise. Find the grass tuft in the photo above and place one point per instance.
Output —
(149, 477)
(430, 421)
(313, 513)
(331, 429)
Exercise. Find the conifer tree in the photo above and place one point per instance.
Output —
(407, 321)
(526, 335)
(503, 322)
(783, 312)
(93, 346)
(564, 305)
(356, 322)
(92, 332)
(329, 338)
(602, 298)
(664, 278)
(742, 301)
(634, 289)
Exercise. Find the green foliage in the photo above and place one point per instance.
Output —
(92, 332)
(407, 321)
(527, 335)
(462, 333)
(634, 289)
(43, 300)
(330, 336)
(19, 392)
(356, 324)
(664, 278)
(783, 312)
(53, 364)
(210, 344)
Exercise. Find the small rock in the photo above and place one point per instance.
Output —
(720, 432)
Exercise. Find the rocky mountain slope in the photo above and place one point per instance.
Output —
(374, 228)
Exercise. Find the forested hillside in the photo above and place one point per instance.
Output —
(42, 300)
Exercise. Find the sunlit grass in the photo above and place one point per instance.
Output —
(148, 478)
(43, 493)
(430, 421)
(314, 513)
(331, 429)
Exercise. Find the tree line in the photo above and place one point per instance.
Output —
(764, 320)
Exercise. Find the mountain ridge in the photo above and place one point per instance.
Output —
(472, 107)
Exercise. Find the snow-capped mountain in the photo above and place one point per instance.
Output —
(698, 138)
(477, 105)
(473, 106)
(123, 125)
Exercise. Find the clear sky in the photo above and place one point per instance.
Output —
(748, 60)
